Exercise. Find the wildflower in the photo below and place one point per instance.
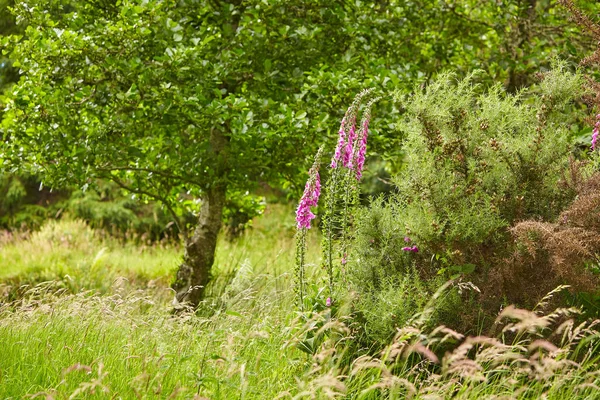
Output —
(344, 260)
(349, 149)
(346, 146)
(596, 132)
(362, 151)
(406, 239)
(328, 302)
(340, 145)
(413, 249)
(408, 248)
(317, 188)
(310, 197)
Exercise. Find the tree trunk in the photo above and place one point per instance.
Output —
(523, 32)
(194, 272)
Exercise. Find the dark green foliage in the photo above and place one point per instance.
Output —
(107, 207)
(26, 204)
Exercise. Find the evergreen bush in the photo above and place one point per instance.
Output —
(476, 163)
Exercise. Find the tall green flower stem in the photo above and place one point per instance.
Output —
(351, 182)
(304, 216)
(300, 263)
(339, 186)
(328, 225)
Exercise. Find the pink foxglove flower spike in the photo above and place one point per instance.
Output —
(349, 148)
(362, 150)
(310, 197)
(340, 145)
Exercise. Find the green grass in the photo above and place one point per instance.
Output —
(73, 254)
(102, 336)
(71, 251)
(133, 347)
(86, 329)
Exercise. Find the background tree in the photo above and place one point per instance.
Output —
(172, 101)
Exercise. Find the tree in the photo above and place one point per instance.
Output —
(182, 100)
(173, 101)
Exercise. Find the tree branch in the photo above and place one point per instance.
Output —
(162, 199)
(151, 171)
(466, 18)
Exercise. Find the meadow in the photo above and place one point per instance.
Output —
(163, 234)
(91, 318)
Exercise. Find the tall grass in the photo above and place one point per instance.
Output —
(128, 345)
(118, 338)
(111, 332)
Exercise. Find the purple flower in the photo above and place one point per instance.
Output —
(328, 302)
(362, 150)
(317, 189)
(349, 148)
(413, 249)
(340, 145)
(344, 260)
(596, 132)
(406, 239)
(309, 199)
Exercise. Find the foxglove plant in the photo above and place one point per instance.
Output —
(341, 160)
(349, 148)
(304, 215)
(361, 147)
(340, 145)
(351, 178)
(342, 187)
(309, 199)
(341, 193)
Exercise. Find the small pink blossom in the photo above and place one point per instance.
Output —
(328, 302)
(349, 148)
(344, 260)
(407, 239)
(362, 150)
(413, 249)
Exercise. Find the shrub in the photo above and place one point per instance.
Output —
(547, 254)
(24, 203)
(477, 162)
